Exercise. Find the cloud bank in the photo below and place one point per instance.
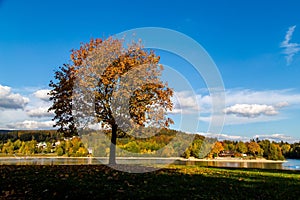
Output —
(245, 106)
(10, 100)
(276, 138)
(21, 111)
(271, 137)
(39, 112)
(239, 102)
(30, 124)
(223, 136)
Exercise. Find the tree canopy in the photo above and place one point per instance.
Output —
(110, 84)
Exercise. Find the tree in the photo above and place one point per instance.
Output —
(285, 149)
(275, 151)
(111, 85)
(196, 148)
(59, 151)
(1, 146)
(61, 95)
(241, 147)
(217, 148)
(81, 152)
(265, 145)
(17, 144)
(8, 147)
(30, 147)
(48, 148)
(168, 151)
(295, 151)
(254, 148)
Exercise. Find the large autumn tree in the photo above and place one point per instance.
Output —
(113, 85)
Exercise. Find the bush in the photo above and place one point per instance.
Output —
(60, 151)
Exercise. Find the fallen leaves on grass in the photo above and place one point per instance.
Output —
(176, 182)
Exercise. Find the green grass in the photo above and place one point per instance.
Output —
(176, 182)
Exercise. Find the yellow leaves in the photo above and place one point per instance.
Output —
(218, 147)
(110, 77)
(148, 102)
(78, 56)
(105, 81)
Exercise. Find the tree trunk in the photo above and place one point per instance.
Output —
(112, 152)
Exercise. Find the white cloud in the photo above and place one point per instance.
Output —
(21, 111)
(30, 124)
(243, 106)
(234, 119)
(39, 112)
(290, 49)
(255, 106)
(8, 116)
(10, 100)
(277, 138)
(268, 97)
(185, 103)
(42, 94)
(271, 137)
(282, 104)
(225, 136)
(251, 110)
(247, 106)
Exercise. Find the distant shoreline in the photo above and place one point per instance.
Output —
(152, 158)
(261, 160)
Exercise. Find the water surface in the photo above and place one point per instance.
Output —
(291, 164)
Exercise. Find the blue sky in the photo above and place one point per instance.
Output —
(254, 44)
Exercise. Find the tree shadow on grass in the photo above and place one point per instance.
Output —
(100, 181)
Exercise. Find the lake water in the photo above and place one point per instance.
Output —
(291, 164)
(81, 161)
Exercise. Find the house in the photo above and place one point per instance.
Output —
(41, 145)
(90, 150)
(226, 153)
(57, 143)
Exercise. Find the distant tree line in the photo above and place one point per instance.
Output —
(252, 149)
(46, 142)
(40, 142)
(68, 147)
(28, 135)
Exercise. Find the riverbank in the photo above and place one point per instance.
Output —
(218, 159)
(225, 159)
(172, 182)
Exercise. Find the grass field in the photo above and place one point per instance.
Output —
(175, 182)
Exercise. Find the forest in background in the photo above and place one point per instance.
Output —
(50, 142)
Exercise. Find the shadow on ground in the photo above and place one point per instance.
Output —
(100, 181)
